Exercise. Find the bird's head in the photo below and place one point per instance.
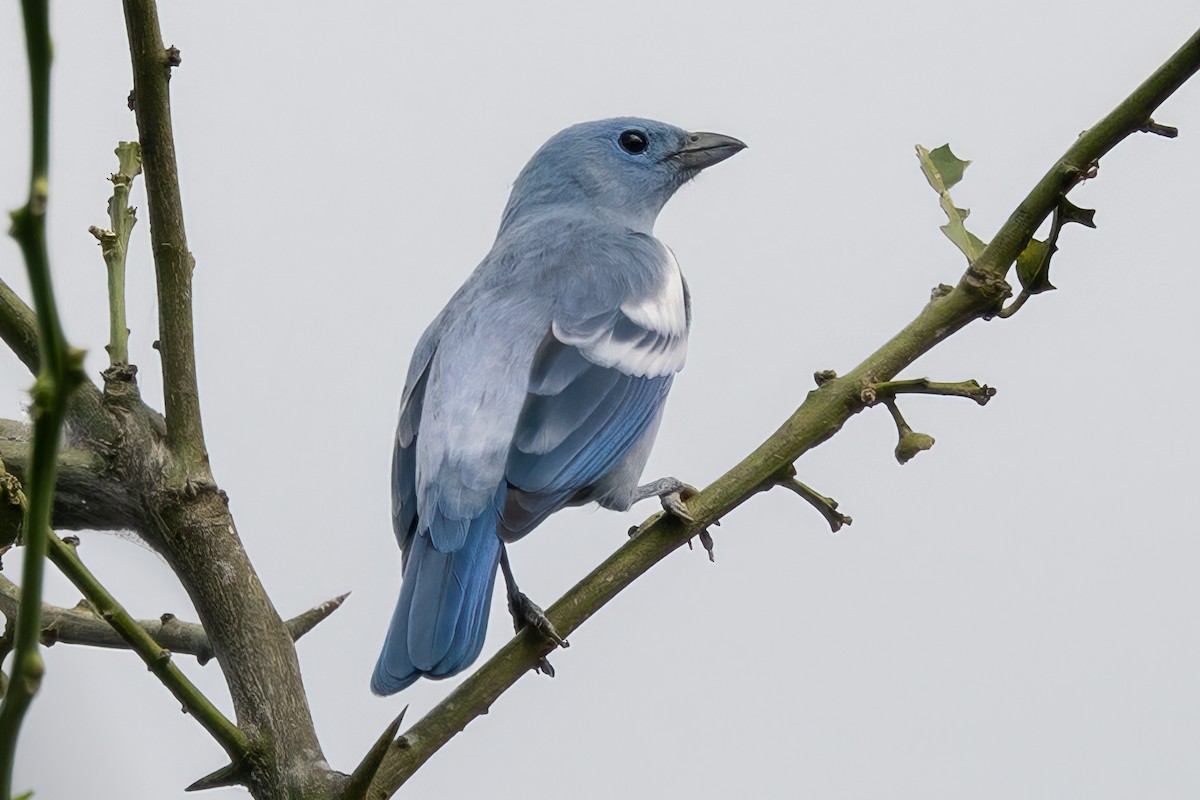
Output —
(625, 167)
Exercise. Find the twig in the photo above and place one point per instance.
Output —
(911, 442)
(157, 659)
(114, 244)
(827, 506)
(879, 392)
(823, 413)
(60, 373)
(83, 625)
(1167, 131)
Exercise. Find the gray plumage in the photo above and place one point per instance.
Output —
(542, 382)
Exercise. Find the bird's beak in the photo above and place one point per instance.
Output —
(705, 149)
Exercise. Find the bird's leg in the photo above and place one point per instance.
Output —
(672, 492)
(526, 612)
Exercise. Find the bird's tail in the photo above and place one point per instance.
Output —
(441, 617)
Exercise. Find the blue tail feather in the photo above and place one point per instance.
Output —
(440, 621)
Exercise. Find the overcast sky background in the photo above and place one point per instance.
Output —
(1013, 614)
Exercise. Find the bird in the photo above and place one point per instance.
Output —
(541, 384)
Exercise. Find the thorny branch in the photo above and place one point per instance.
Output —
(85, 625)
(164, 468)
(978, 295)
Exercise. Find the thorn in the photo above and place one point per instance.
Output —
(364, 773)
(228, 775)
(174, 58)
(1158, 129)
(131, 101)
(824, 376)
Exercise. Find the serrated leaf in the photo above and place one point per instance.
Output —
(930, 170)
(1069, 212)
(943, 169)
(1033, 267)
(970, 244)
(948, 165)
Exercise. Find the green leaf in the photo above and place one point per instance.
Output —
(943, 169)
(948, 165)
(1033, 267)
(970, 244)
(1069, 212)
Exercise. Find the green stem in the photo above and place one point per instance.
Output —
(827, 506)
(60, 373)
(156, 658)
(114, 244)
(970, 389)
(822, 414)
(1131, 116)
(173, 263)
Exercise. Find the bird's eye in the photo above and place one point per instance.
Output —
(633, 142)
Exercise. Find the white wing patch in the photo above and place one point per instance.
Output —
(663, 311)
(647, 337)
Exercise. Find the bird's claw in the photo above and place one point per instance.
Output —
(673, 504)
(526, 612)
(672, 493)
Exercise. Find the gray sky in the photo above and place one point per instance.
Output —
(1013, 614)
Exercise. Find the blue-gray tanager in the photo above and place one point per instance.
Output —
(541, 383)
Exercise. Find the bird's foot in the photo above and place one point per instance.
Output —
(672, 492)
(525, 612)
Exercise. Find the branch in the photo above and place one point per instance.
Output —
(87, 494)
(156, 658)
(60, 373)
(114, 244)
(827, 506)
(191, 524)
(173, 263)
(19, 328)
(84, 625)
(977, 295)
(881, 392)
(86, 416)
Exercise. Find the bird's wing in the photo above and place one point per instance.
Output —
(596, 385)
(404, 456)
(527, 398)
